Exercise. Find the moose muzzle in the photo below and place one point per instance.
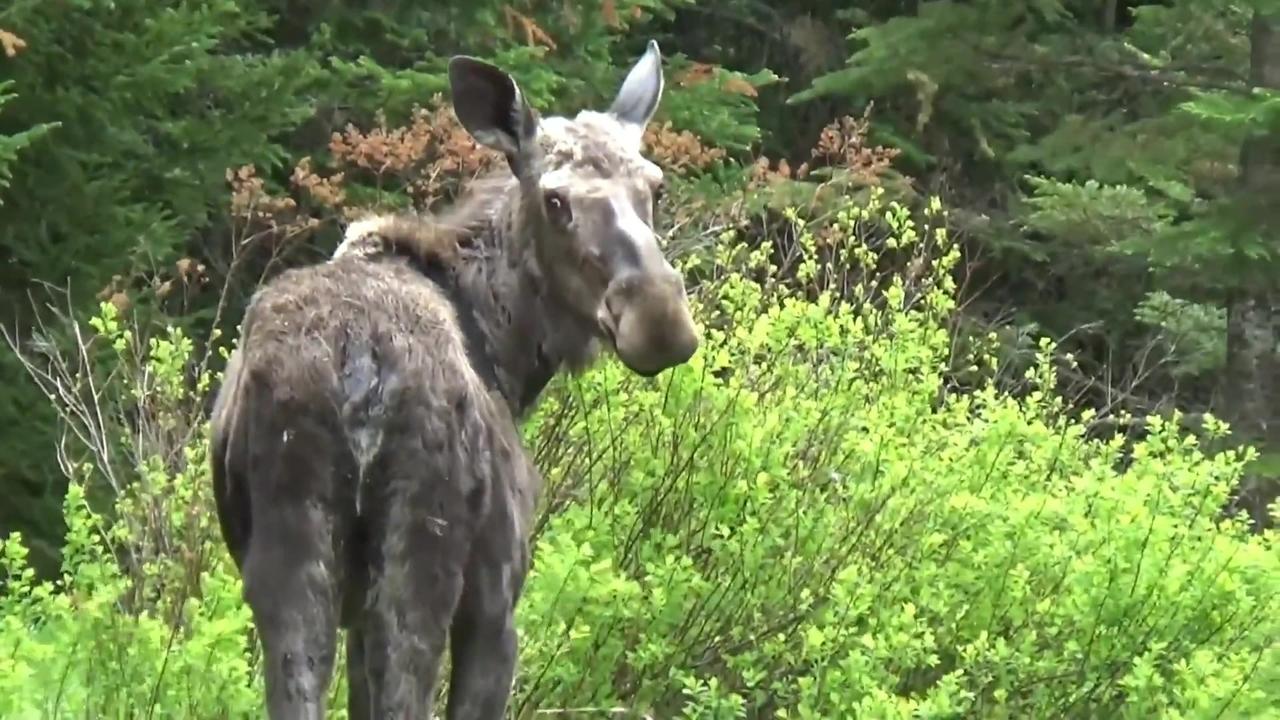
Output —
(646, 316)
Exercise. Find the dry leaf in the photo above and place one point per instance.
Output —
(740, 86)
(696, 74)
(533, 34)
(679, 150)
(609, 10)
(11, 43)
(121, 301)
(110, 289)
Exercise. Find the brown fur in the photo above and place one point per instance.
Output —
(431, 467)
(366, 461)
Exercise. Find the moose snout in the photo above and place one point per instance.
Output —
(647, 318)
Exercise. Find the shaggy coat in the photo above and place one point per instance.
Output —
(366, 459)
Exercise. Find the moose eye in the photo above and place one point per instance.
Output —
(557, 205)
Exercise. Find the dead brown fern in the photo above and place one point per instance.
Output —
(519, 23)
(843, 147)
(679, 151)
(843, 144)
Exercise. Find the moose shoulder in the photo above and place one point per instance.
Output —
(366, 462)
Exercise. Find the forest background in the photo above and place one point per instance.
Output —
(1109, 171)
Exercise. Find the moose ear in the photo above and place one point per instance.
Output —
(638, 97)
(489, 104)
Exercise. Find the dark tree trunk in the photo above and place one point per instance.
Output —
(1251, 386)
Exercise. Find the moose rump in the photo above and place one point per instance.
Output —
(356, 458)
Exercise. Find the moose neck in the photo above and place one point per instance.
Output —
(519, 334)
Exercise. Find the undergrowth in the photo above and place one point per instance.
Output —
(808, 520)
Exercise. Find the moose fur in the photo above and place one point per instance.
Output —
(366, 459)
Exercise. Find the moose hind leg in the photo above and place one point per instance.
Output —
(484, 645)
(484, 642)
(291, 574)
(419, 549)
(290, 588)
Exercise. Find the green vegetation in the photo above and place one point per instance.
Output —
(818, 534)
(953, 447)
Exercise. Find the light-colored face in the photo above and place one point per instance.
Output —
(594, 196)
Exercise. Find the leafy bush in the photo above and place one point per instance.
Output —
(146, 617)
(805, 521)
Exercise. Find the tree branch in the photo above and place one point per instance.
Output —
(1172, 77)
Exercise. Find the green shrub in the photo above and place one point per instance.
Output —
(145, 619)
(806, 521)
(802, 523)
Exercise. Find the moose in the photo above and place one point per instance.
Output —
(365, 455)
